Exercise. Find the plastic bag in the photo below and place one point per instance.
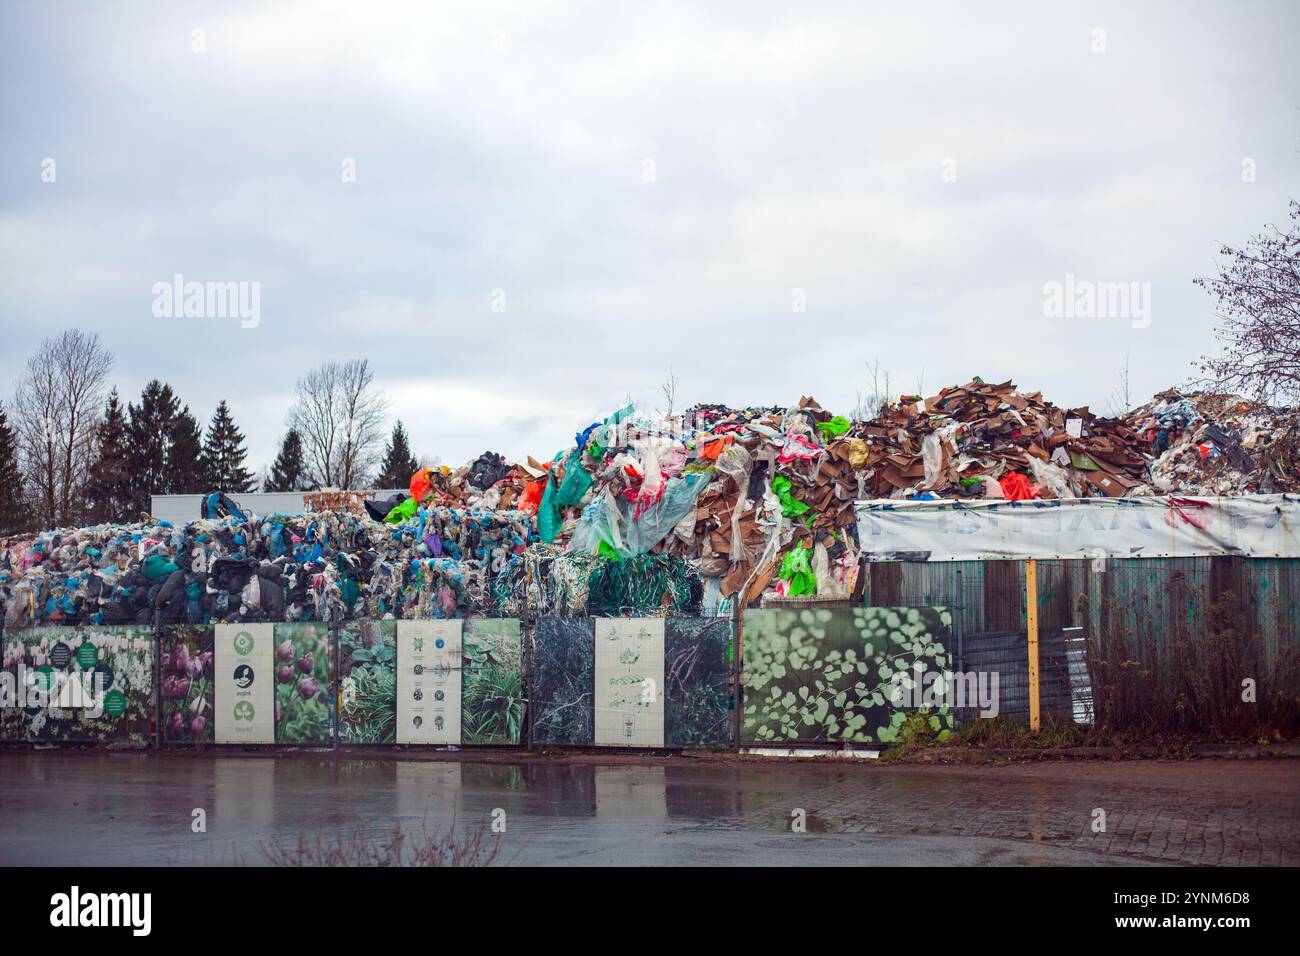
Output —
(657, 522)
(932, 459)
(796, 569)
(576, 482)
(734, 462)
(548, 512)
(791, 506)
(1047, 475)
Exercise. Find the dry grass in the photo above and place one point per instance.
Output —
(430, 847)
(1190, 683)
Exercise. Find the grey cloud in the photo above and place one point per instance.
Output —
(502, 146)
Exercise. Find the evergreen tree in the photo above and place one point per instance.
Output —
(288, 470)
(165, 448)
(185, 456)
(108, 486)
(224, 454)
(14, 513)
(150, 425)
(399, 464)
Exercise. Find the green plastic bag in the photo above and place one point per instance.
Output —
(156, 567)
(349, 590)
(402, 513)
(834, 428)
(796, 569)
(576, 482)
(548, 512)
(791, 506)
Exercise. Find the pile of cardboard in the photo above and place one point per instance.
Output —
(947, 445)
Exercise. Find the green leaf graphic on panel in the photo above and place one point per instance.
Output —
(826, 674)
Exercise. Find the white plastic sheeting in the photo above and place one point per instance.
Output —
(1260, 526)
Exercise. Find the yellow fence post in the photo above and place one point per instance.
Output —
(1031, 616)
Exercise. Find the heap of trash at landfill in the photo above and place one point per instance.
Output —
(642, 515)
(1224, 445)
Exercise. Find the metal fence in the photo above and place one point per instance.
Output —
(338, 686)
(1177, 644)
(1138, 631)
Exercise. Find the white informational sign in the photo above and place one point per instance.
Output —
(629, 701)
(428, 681)
(1260, 526)
(244, 691)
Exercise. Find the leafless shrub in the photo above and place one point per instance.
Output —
(429, 847)
(1184, 677)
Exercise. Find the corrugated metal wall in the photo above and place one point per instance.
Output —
(1149, 603)
(1140, 596)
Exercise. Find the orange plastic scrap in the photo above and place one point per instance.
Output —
(1016, 487)
(421, 483)
(713, 449)
(532, 496)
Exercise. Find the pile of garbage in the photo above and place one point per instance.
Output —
(644, 515)
(327, 566)
(1209, 444)
(991, 441)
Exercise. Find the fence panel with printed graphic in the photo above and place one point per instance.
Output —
(85, 685)
(837, 675)
(640, 682)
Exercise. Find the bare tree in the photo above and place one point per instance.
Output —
(669, 389)
(57, 406)
(880, 393)
(1121, 396)
(340, 415)
(1258, 292)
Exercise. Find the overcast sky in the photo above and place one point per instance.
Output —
(651, 185)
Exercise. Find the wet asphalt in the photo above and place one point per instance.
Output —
(71, 808)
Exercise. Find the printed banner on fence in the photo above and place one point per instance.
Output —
(1262, 526)
(245, 683)
(428, 681)
(629, 701)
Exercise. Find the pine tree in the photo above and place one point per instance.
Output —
(108, 487)
(288, 470)
(399, 464)
(14, 513)
(149, 427)
(224, 454)
(185, 456)
(166, 448)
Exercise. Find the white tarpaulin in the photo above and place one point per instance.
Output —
(1261, 526)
